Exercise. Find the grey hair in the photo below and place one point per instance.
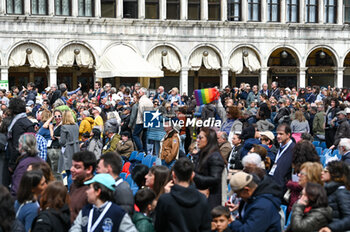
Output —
(63, 85)
(223, 135)
(345, 142)
(86, 113)
(28, 144)
(252, 158)
(57, 103)
(144, 90)
(113, 90)
(54, 85)
(138, 84)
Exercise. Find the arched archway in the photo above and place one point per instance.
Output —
(283, 66)
(76, 63)
(244, 64)
(346, 66)
(167, 59)
(205, 63)
(321, 63)
(28, 62)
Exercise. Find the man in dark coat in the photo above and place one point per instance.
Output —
(343, 130)
(112, 164)
(282, 169)
(55, 94)
(275, 91)
(259, 198)
(344, 150)
(20, 124)
(184, 208)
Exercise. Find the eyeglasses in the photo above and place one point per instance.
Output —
(58, 116)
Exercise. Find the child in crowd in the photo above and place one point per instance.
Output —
(144, 199)
(221, 218)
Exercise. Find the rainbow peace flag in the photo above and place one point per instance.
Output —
(205, 96)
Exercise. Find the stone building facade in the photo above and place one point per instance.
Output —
(213, 42)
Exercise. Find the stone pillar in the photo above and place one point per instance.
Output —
(302, 11)
(184, 80)
(338, 82)
(117, 82)
(224, 10)
(263, 76)
(263, 11)
(244, 11)
(302, 77)
(5, 74)
(224, 78)
(119, 10)
(340, 12)
(98, 8)
(283, 9)
(75, 80)
(52, 75)
(321, 7)
(31, 76)
(2, 7)
(51, 8)
(142, 6)
(75, 8)
(204, 10)
(183, 9)
(27, 7)
(162, 9)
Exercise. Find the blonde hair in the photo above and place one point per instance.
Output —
(67, 118)
(313, 172)
(45, 115)
(299, 116)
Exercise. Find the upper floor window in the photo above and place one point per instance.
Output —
(347, 11)
(14, 7)
(254, 10)
(194, 9)
(152, 9)
(130, 9)
(173, 9)
(311, 15)
(214, 9)
(39, 7)
(273, 10)
(86, 8)
(292, 11)
(234, 10)
(330, 14)
(63, 7)
(108, 8)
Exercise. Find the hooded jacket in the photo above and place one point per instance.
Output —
(183, 209)
(264, 201)
(52, 220)
(208, 112)
(264, 125)
(339, 201)
(142, 222)
(85, 126)
(343, 131)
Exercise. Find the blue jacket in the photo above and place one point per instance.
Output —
(248, 144)
(261, 210)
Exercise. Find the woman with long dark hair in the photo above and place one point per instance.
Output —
(209, 166)
(54, 215)
(31, 187)
(157, 178)
(330, 128)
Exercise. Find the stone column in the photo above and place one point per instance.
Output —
(204, 10)
(244, 11)
(162, 9)
(98, 8)
(2, 7)
(27, 7)
(263, 76)
(340, 12)
(302, 77)
(224, 77)
(321, 7)
(142, 6)
(338, 82)
(51, 8)
(283, 9)
(263, 11)
(52, 75)
(5, 74)
(119, 10)
(184, 80)
(183, 9)
(302, 11)
(224, 10)
(74, 8)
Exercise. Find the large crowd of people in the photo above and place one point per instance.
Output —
(67, 158)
